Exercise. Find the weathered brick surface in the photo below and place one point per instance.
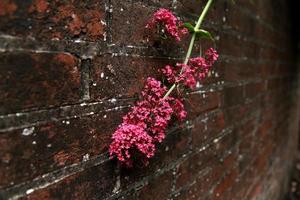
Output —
(123, 75)
(69, 71)
(54, 20)
(95, 182)
(38, 80)
(57, 144)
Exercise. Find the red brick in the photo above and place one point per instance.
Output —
(159, 187)
(233, 95)
(264, 129)
(198, 103)
(38, 80)
(92, 183)
(198, 189)
(207, 128)
(236, 113)
(54, 145)
(129, 21)
(124, 76)
(246, 152)
(225, 184)
(254, 89)
(237, 71)
(54, 19)
(213, 155)
(261, 163)
(240, 49)
(7, 7)
(174, 147)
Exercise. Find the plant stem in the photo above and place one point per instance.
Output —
(191, 45)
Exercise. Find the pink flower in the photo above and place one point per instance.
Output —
(148, 120)
(153, 90)
(179, 111)
(211, 56)
(170, 24)
(144, 125)
(161, 115)
(128, 138)
(169, 72)
(188, 74)
(198, 63)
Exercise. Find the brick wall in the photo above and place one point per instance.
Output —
(70, 69)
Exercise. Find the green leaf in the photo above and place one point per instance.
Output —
(189, 26)
(204, 34)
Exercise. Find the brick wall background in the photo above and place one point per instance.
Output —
(70, 69)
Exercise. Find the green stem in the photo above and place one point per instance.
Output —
(191, 45)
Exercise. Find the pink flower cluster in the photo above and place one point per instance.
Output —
(170, 25)
(145, 124)
(188, 74)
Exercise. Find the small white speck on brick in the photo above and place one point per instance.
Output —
(27, 131)
(113, 100)
(117, 185)
(198, 84)
(34, 142)
(29, 191)
(86, 157)
(202, 149)
(105, 116)
(77, 40)
(94, 84)
(103, 22)
(216, 140)
(83, 104)
(104, 36)
(177, 194)
(102, 75)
